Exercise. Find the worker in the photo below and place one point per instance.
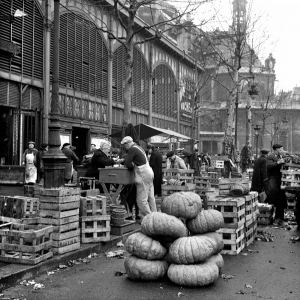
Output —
(176, 161)
(137, 161)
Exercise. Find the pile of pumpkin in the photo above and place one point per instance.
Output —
(181, 241)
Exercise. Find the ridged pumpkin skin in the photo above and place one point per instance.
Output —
(206, 221)
(192, 249)
(182, 204)
(160, 224)
(217, 237)
(193, 275)
(144, 246)
(139, 268)
(217, 259)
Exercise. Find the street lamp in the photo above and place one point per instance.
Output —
(257, 129)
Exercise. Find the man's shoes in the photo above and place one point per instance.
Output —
(277, 222)
(138, 218)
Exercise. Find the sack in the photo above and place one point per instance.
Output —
(262, 197)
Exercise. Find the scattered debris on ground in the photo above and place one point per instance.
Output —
(264, 236)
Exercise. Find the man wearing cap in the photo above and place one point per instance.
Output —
(137, 161)
(176, 161)
(275, 195)
(260, 172)
(29, 159)
(71, 156)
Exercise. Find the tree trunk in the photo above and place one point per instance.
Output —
(249, 124)
(128, 75)
(228, 139)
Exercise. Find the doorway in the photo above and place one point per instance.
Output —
(80, 141)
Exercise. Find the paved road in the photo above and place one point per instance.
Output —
(272, 270)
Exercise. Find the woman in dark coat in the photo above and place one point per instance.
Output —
(260, 172)
(155, 163)
(100, 160)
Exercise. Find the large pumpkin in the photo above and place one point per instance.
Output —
(217, 237)
(139, 268)
(206, 221)
(193, 275)
(192, 249)
(158, 224)
(143, 246)
(217, 259)
(183, 204)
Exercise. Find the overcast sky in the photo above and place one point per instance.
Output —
(281, 20)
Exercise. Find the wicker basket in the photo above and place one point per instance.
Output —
(118, 216)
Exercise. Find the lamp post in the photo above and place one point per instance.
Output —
(257, 129)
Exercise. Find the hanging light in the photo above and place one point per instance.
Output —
(253, 91)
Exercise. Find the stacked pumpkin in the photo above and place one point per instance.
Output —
(189, 254)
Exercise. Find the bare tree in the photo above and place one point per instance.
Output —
(235, 60)
(158, 17)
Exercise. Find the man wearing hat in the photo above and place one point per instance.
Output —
(71, 157)
(29, 159)
(275, 195)
(137, 161)
(176, 161)
(260, 172)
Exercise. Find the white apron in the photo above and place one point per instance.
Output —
(30, 169)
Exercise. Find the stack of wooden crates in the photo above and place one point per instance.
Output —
(240, 220)
(59, 207)
(94, 219)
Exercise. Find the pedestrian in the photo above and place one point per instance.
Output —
(137, 161)
(86, 161)
(100, 159)
(71, 157)
(275, 195)
(40, 163)
(155, 163)
(29, 159)
(260, 172)
(175, 161)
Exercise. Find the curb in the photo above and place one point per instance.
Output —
(11, 274)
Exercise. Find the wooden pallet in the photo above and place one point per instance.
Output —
(95, 228)
(232, 208)
(19, 207)
(65, 249)
(92, 206)
(167, 190)
(180, 174)
(233, 240)
(226, 183)
(25, 244)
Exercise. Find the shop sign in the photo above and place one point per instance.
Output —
(9, 47)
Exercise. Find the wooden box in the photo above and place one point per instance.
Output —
(19, 207)
(119, 230)
(117, 175)
(25, 244)
(226, 183)
(232, 208)
(92, 206)
(233, 240)
(95, 229)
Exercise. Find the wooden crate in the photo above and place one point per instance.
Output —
(95, 229)
(19, 207)
(167, 190)
(226, 183)
(232, 208)
(60, 192)
(233, 240)
(290, 176)
(202, 182)
(180, 174)
(25, 244)
(63, 242)
(128, 226)
(66, 249)
(92, 206)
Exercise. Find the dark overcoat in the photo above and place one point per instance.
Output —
(259, 174)
(99, 160)
(275, 195)
(71, 157)
(155, 163)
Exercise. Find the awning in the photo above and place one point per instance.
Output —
(146, 131)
